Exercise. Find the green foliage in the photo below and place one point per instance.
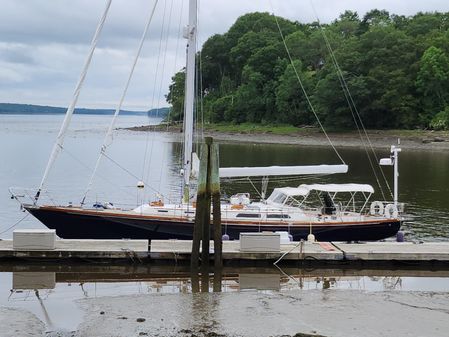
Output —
(441, 120)
(395, 67)
(175, 96)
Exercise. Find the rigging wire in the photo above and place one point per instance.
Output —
(109, 135)
(145, 168)
(132, 174)
(200, 109)
(15, 224)
(160, 89)
(178, 152)
(303, 88)
(176, 53)
(352, 107)
(58, 146)
(174, 71)
(89, 169)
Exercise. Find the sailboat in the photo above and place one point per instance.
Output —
(316, 209)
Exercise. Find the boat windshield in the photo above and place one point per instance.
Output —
(277, 198)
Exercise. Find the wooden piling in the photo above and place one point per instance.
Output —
(215, 192)
(201, 206)
(208, 187)
(207, 207)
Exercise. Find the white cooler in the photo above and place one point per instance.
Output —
(263, 242)
(34, 239)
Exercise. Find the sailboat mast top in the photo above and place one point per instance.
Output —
(190, 33)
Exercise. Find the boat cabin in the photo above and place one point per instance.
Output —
(328, 195)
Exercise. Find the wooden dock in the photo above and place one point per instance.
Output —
(81, 249)
(180, 250)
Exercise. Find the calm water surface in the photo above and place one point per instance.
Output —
(54, 297)
(155, 158)
(26, 142)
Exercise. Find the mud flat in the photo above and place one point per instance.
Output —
(337, 313)
(410, 140)
(18, 322)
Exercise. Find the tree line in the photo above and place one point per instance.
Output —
(395, 67)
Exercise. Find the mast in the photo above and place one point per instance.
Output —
(190, 33)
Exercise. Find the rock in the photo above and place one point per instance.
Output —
(438, 140)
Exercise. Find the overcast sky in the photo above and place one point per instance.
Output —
(43, 43)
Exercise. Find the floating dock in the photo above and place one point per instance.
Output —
(180, 250)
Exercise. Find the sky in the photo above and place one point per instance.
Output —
(44, 44)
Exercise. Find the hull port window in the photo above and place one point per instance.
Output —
(248, 215)
(278, 216)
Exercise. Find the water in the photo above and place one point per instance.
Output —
(155, 158)
(26, 142)
(53, 296)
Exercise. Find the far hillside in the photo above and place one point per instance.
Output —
(31, 109)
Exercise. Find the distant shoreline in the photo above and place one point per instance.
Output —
(379, 139)
(32, 109)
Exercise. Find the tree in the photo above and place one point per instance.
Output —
(175, 95)
(433, 82)
(396, 68)
(290, 101)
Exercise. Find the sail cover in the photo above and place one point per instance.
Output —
(229, 172)
(338, 187)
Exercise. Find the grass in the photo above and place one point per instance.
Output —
(277, 129)
(280, 129)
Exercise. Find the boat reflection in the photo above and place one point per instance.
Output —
(179, 279)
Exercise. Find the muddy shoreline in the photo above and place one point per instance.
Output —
(410, 140)
(318, 313)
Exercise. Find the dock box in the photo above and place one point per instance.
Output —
(264, 242)
(34, 239)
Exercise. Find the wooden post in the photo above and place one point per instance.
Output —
(195, 278)
(201, 205)
(208, 184)
(215, 191)
(206, 205)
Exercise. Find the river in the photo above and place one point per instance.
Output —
(155, 159)
(70, 297)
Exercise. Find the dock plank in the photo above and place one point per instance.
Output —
(389, 251)
(90, 249)
(181, 249)
(174, 250)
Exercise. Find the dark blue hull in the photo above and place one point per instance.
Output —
(81, 224)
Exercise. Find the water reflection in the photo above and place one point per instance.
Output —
(51, 292)
(33, 280)
(179, 279)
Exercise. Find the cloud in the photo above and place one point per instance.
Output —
(43, 44)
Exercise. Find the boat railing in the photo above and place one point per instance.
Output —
(379, 207)
(59, 197)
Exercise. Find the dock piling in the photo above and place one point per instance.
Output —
(208, 188)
